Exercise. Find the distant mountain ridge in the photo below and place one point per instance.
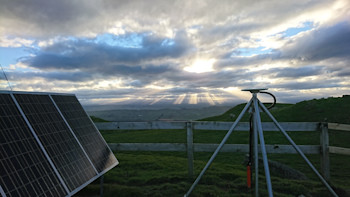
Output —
(333, 109)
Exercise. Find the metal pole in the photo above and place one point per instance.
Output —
(262, 144)
(256, 156)
(298, 150)
(218, 148)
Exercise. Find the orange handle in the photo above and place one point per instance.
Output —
(249, 181)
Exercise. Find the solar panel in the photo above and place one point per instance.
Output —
(67, 152)
(24, 169)
(86, 132)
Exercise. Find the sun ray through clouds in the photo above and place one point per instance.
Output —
(209, 99)
(157, 100)
(216, 99)
(237, 93)
(193, 99)
(180, 99)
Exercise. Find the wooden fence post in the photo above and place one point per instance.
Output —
(324, 142)
(189, 146)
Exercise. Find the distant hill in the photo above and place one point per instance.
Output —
(96, 119)
(134, 115)
(335, 110)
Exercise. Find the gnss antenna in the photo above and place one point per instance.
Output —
(257, 133)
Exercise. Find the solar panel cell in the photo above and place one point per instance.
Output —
(21, 156)
(59, 142)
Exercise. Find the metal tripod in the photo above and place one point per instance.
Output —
(256, 105)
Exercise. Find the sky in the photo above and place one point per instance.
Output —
(176, 52)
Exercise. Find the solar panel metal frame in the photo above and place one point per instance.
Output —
(2, 192)
(69, 193)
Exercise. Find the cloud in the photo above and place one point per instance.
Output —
(97, 46)
(130, 63)
(307, 85)
(6, 41)
(137, 76)
(85, 53)
(53, 76)
(327, 46)
(296, 72)
(238, 61)
(345, 73)
(87, 59)
(320, 44)
(49, 18)
(88, 17)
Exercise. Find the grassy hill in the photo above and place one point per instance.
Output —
(317, 110)
(97, 119)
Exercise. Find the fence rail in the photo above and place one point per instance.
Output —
(339, 150)
(205, 125)
(199, 147)
(335, 149)
(323, 149)
(337, 126)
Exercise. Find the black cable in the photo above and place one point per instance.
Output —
(251, 126)
(250, 154)
(274, 99)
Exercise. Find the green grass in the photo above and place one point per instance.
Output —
(165, 173)
(145, 136)
(204, 136)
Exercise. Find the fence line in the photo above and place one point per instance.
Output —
(339, 150)
(335, 149)
(337, 126)
(205, 125)
(199, 147)
(323, 149)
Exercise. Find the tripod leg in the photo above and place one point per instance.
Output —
(256, 157)
(298, 150)
(263, 150)
(219, 148)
